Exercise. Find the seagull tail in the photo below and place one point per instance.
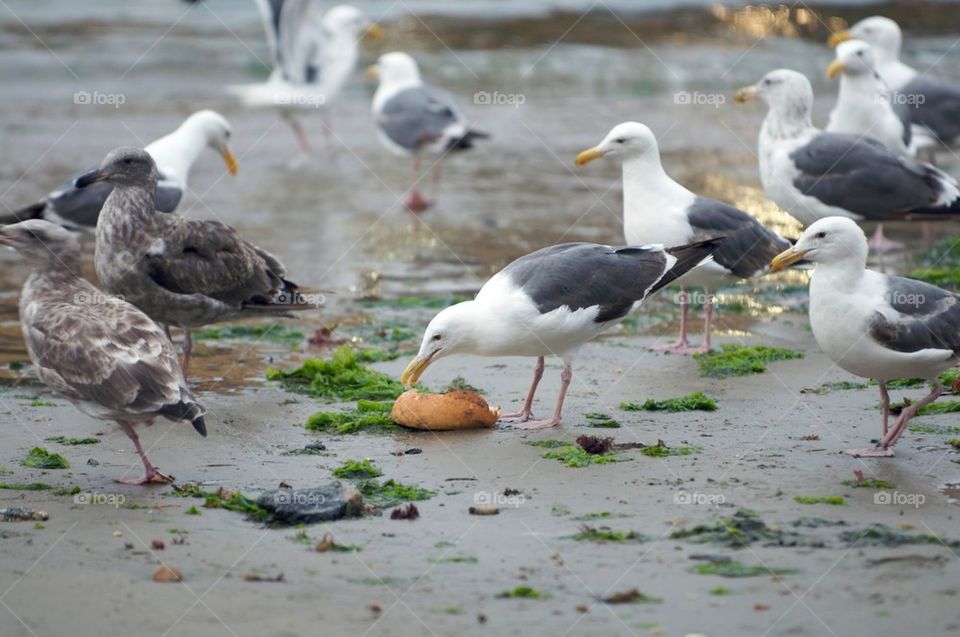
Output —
(688, 257)
(465, 141)
(948, 202)
(187, 409)
(33, 211)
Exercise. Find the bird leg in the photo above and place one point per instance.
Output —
(526, 413)
(187, 349)
(415, 202)
(152, 476)
(681, 346)
(303, 143)
(881, 244)
(706, 346)
(885, 404)
(565, 376)
(883, 449)
(435, 177)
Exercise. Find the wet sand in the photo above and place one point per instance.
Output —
(338, 224)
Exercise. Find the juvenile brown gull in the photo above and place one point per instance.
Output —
(181, 272)
(99, 351)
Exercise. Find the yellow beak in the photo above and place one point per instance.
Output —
(374, 32)
(415, 370)
(588, 156)
(372, 74)
(745, 94)
(786, 258)
(835, 69)
(230, 160)
(838, 37)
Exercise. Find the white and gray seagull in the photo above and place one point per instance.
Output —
(814, 174)
(181, 272)
(313, 51)
(98, 350)
(931, 104)
(657, 209)
(174, 153)
(414, 119)
(549, 303)
(874, 325)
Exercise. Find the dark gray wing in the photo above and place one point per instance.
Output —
(864, 177)
(583, 275)
(930, 318)
(167, 197)
(417, 116)
(747, 246)
(933, 104)
(80, 207)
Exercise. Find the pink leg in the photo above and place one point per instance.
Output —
(187, 349)
(706, 346)
(151, 475)
(681, 346)
(415, 202)
(435, 176)
(301, 135)
(885, 403)
(526, 413)
(881, 244)
(883, 450)
(565, 376)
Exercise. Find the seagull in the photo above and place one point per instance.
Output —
(657, 209)
(874, 325)
(174, 153)
(551, 302)
(414, 118)
(179, 271)
(931, 104)
(313, 53)
(814, 174)
(96, 349)
(864, 103)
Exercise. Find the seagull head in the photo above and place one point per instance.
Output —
(215, 130)
(854, 57)
(41, 241)
(829, 240)
(626, 140)
(347, 20)
(451, 331)
(125, 166)
(395, 69)
(881, 33)
(782, 90)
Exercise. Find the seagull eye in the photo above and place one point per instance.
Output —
(620, 141)
(436, 337)
(226, 134)
(820, 235)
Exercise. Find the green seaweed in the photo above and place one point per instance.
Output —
(604, 534)
(39, 402)
(407, 302)
(368, 415)
(602, 515)
(460, 383)
(192, 510)
(356, 469)
(236, 502)
(342, 378)
(601, 420)
(941, 277)
(632, 596)
(376, 355)
(940, 430)
(455, 559)
(869, 483)
(733, 568)
(40, 458)
(266, 332)
(66, 490)
(661, 450)
(548, 444)
(882, 535)
(696, 401)
(720, 591)
(945, 407)
(741, 529)
(25, 486)
(576, 457)
(833, 500)
(522, 592)
(63, 440)
(391, 493)
(741, 360)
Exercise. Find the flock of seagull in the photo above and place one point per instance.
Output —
(110, 350)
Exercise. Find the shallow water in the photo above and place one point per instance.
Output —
(335, 217)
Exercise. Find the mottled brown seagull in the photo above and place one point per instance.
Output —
(181, 272)
(99, 351)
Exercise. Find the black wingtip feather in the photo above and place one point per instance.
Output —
(200, 425)
(688, 257)
(33, 211)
